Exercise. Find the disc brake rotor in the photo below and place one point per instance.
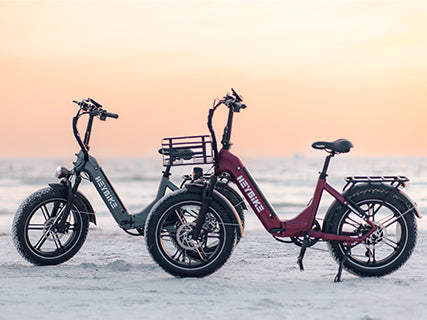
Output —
(183, 236)
(52, 235)
(376, 239)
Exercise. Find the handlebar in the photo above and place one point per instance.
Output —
(109, 115)
(94, 109)
(234, 103)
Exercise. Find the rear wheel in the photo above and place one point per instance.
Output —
(34, 228)
(390, 246)
(169, 235)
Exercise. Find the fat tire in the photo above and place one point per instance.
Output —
(29, 208)
(399, 206)
(160, 213)
(234, 199)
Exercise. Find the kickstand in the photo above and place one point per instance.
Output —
(346, 254)
(302, 252)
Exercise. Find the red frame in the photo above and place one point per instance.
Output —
(295, 227)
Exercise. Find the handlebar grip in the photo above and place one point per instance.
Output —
(110, 115)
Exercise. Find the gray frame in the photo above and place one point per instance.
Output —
(111, 198)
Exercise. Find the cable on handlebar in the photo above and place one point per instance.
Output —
(233, 102)
(93, 109)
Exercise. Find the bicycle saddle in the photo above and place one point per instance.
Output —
(338, 146)
(177, 153)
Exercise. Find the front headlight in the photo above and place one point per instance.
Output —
(62, 172)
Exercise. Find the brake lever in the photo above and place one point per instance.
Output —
(96, 104)
(236, 95)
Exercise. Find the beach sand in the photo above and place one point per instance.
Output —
(113, 276)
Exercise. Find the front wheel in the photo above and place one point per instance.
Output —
(169, 241)
(34, 228)
(389, 247)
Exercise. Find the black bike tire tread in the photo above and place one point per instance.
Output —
(21, 215)
(409, 218)
(150, 239)
(223, 189)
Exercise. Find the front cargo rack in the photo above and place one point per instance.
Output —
(395, 181)
(181, 151)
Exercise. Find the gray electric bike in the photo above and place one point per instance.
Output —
(51, 225)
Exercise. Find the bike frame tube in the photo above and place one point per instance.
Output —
(236, 169)
(282, 228)
(111, 198)
(141, 216)
(105, 189)
(88, 164)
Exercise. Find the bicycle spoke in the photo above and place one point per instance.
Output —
(42, 240)
(386, 218)
(193, 213)
(201, 253)
(36, 226)
(392, 244)
(166, 236)
(369, 251)
(45, 212)
(179, 255)
(180, 216)
(57, 207)
(57, 241)
(214, 236)
(352, 222)
(177, 244)
(372, 211)
(393, 219)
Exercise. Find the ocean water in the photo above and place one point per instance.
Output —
(287, 182)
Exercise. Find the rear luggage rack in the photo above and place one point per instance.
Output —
(181, 151)
(395, 181)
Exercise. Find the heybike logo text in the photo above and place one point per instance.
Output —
(250, 193)
(106, 192)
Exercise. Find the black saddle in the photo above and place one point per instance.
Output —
(337, 146)
(177, 153)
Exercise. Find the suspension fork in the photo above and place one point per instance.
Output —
(71, 191)
(207, 192)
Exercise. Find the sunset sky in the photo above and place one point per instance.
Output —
(308, 70)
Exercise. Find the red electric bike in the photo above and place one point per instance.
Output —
(370, 228)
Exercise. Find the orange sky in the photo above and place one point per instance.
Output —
(308, 70)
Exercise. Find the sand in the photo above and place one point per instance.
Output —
(113, 276)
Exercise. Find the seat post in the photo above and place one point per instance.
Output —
(323, 174)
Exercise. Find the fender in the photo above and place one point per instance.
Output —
(89, 208)
(403, 197)
(410, 204)
(217, 196)
(234, 197)
(415, 210)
